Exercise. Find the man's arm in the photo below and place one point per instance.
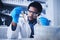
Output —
(14, 25)
(15, 15)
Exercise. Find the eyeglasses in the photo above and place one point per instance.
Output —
(32, 12)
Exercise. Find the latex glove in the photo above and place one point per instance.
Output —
(15, 14)
(44, 21)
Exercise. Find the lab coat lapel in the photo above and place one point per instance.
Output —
(27, 27)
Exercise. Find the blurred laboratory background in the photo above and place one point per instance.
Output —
(51, 10)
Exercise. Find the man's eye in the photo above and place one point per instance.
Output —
(30, 11)
(33, 12)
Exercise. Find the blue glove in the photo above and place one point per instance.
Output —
(15, 14)
(44, 21)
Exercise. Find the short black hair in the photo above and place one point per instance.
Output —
(37, 5)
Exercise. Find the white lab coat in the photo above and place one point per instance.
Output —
(22, 27)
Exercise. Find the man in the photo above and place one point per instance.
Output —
(26, 24)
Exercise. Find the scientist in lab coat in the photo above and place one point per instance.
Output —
(25, 24)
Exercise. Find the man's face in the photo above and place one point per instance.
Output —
(32, 13)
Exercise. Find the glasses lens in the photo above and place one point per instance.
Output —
(32, 12)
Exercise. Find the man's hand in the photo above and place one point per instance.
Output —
(15, 14)
(44, 21)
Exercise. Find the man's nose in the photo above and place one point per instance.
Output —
(31, 14)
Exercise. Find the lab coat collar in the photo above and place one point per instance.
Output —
(32, 22)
